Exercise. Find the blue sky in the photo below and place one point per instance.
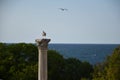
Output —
(85, 21)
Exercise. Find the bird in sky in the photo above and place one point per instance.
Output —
(63, 9)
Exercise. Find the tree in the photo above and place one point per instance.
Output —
(76, 70)
(60, 68)
(113, 65)
(110, 68)
(20, 62)
(55, 65)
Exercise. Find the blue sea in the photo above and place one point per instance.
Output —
(93, 53)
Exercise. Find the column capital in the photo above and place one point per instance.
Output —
(42, 43)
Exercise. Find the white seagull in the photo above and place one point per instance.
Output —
(44, 34)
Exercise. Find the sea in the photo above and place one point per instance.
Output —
(92, 53)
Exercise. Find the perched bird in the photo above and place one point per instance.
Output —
(43, 34)
(63, 9)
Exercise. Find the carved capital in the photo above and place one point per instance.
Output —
(42, 43)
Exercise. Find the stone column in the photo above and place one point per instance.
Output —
(42, 58)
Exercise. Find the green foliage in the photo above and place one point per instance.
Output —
(75, 69)
(99, 72)
(20, 62)
(113, 67)
(110, 69)
(67, 69)
(55, 65)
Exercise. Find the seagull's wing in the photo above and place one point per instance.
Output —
(63, 9)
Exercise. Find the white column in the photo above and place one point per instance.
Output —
(42, 58)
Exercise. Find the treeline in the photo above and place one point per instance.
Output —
(20, 62)
(110, 68)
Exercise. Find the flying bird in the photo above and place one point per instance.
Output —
(63, 9)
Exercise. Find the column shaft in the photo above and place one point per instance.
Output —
(42, 66)
(42, 58)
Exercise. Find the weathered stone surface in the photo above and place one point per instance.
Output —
(42, 58)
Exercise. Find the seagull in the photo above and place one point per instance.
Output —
(44, 34)
(63, 9)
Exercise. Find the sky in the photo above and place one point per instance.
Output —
(84, 21)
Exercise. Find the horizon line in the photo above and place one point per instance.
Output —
(58, 43)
